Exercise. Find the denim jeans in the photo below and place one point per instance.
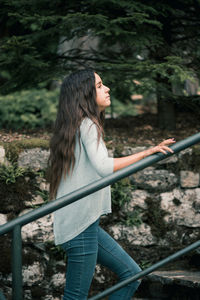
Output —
(93, 246)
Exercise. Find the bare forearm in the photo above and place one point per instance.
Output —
(123, 162)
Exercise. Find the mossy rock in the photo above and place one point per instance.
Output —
(154, 217)
(196, 157)
(14, 148)
(191, 162)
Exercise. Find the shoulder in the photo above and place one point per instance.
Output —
(88, 130)
(87, 124)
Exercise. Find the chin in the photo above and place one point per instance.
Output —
(108, 103)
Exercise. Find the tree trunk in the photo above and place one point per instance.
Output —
(166, 114)
(165, 105)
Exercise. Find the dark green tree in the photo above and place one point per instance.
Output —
(155, 42)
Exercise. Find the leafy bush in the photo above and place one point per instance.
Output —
(9, 173)
(134, 218)
(28, 109)
(121, 193)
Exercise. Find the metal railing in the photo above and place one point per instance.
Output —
(16, 224)
(146, 271)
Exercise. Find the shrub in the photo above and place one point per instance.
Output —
(9, 173)
(121, 193)
(28, 109)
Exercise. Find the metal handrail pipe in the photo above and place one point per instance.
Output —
(147, 271)
(97, 185)
(17, 263)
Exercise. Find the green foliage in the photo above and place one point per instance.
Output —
(144, 264)
(136, 39)
(44, 195)
(10, 173)
(156, 43)
(121, 192)
(154, 216)
(134, 218)
(28, 109)
(121, 109)
(121, 196)
(56, 252)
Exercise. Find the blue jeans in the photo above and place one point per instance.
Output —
(93, 246)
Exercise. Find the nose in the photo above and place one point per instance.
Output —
(107, 89)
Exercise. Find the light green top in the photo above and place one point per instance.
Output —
(92, 163)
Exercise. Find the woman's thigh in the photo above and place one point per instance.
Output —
(81, 260)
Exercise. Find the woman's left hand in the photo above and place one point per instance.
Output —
(163, 147)
(167, 142)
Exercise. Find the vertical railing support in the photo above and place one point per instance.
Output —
(17, 292)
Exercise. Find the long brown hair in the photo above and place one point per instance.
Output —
(77, 101)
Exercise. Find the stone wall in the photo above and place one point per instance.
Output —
(168, 198)
(165, 199)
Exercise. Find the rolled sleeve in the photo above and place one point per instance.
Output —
(97, 152)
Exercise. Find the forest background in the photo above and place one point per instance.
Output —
(139, 48)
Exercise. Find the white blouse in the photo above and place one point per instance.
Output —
(92, 163)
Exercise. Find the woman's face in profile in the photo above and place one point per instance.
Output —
(102, 93)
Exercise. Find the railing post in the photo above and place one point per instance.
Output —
(17, 292)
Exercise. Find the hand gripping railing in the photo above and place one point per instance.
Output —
(16, 224)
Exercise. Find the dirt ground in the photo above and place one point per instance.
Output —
(140, 130)
(143, 129)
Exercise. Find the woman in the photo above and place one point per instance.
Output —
(78, 156)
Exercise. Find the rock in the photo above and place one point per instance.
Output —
(183, 206)
(169, 160)
(130, 150)
(38, 231)
(187, 151)
(99, 277)
(180, 277)
(33, 274)
(27, 178)
(37, 200)
(138, 199)
(28, 295)
(44, 186)
(154, 180)
(58, 280)
(175, 284)
(140, 235)
(3, 219)
(36, 159)
(2, 155)
(189, 179)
